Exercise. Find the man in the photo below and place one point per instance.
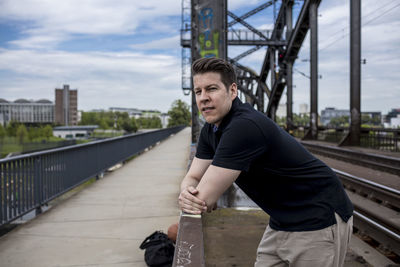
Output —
(310, 213)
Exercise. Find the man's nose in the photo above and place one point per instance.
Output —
(204, 95)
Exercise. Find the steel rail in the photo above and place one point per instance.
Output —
(383, 195)
(379, 226)
(379, 162)
(378, 232)
(387, 195)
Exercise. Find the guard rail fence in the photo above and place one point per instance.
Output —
(30, 181)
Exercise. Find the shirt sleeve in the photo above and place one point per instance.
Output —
(241, 143)
(204, 149)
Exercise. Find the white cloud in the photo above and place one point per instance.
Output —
(165, 43)
(132, 79)
(103, 79)
(54, 21)
(39, 41)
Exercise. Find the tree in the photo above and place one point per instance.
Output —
(342, 121)
(47, 132)
(88, 118)
(2, 133)
(33, 133)
(22, 134)
(103, 124)
(179, 114)
(368, 121)
(12, 128)
(301, 120)
(149, 123)
(281, 120)
(155, 122)
(129, 125)
(134, 124)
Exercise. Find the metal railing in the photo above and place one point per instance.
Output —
(376, 138)
(34, 146)
(28, 182)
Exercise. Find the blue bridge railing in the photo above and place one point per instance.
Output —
(29, 181)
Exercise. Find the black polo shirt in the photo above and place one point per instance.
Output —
(297, 190)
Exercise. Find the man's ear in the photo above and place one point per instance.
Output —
(233, 90)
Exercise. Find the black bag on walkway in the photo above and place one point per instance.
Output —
(159, 250)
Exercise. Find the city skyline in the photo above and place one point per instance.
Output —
(119, 55)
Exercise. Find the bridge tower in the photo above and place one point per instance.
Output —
(203, 34)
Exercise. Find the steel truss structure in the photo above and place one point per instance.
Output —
(263, 90)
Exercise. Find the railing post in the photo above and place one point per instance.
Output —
(37, 183)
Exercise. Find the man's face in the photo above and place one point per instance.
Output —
(212, 98)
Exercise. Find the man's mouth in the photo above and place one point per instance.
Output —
(206, 109)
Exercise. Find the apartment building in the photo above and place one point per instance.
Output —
(66, 106)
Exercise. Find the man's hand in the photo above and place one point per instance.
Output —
(189, 203)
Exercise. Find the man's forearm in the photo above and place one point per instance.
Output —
(189, 181)
(214, 182)
(188, 200)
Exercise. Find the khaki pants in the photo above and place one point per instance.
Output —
(321, 248)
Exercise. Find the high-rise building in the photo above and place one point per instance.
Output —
(281, 111)
(66, 108)
(330, 112)
(303, 108)
(26, 111)
(392, 114)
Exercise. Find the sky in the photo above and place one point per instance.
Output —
(126, 53)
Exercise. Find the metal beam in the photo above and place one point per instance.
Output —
(289, 68)
(276, 34)
(355, 71)
(246, 79)
(248, 26)
(246, 53)
(293, 45)
(313, 133)
(299, 33)
(353, 137)
(252, 12)
(266, 42)
(276, 93)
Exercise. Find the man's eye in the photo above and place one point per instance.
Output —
(212, 88)
(197, 92)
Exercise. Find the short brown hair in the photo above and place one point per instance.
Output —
(218, 65)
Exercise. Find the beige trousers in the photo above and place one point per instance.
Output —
(321, 248)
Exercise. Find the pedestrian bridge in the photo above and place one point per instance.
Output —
(103, 224)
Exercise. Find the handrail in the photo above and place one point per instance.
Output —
(189, 248)
(29, 181)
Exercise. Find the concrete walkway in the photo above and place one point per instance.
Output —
(104, 224)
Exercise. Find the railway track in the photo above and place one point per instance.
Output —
(378, 162)
(377, 210)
